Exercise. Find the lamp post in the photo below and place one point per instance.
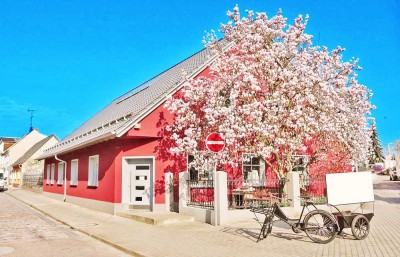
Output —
(389, 149)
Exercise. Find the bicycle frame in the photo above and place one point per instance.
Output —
(294, 223)
(318, 232)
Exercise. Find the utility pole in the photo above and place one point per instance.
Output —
(31, 127)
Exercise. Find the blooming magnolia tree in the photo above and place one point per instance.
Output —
(272, 93)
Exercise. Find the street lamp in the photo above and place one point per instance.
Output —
(389, 151)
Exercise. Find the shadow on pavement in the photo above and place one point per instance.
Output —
(346, 235)
(395, 200)
(389, 185)
(248, 233)
(291, 236)
(279, 230)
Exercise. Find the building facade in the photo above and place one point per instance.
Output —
(27, 165)
(16, 151)
(117, 159)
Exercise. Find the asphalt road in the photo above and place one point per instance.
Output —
(27, 232)
(386, 190)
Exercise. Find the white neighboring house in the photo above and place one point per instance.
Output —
(27, 164)
(390, 162)
(5, 143)
(17, 150)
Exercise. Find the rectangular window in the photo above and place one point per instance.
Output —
(93, 176)
(74, 172)
(205, 172)
(300, 165)
(48, 174)
(60, 175)
(53, 167)
(253, 170)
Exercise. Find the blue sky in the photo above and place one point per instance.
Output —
(69, 59)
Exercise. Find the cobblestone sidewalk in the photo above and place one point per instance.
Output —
(236, 239)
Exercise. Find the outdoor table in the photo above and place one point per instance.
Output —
(240, 195)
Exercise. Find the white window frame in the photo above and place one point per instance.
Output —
(53, 167)
(60, 173)
(93, 171)
(200, 174)
(300, 165)
(257, 176)
(48, 174)
(74, 172)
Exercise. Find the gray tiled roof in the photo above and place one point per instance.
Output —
(124, 111)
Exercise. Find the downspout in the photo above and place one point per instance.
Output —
(65, 176)
(20, 175)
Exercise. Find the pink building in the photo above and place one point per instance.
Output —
(117, 159)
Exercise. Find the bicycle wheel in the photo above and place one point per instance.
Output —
(360, 227)
(320, 226)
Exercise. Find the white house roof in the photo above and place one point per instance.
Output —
(127, 110)
(36, 147)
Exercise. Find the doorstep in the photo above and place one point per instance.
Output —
(156, 218)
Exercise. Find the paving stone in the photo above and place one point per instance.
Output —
(234, 239)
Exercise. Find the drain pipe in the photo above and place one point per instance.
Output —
(65, 176)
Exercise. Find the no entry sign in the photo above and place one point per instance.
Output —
(215, 142)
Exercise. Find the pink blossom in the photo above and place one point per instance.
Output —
(271, 92)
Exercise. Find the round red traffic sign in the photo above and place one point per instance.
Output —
(215, 142)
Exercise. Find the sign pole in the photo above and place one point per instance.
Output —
(215, 143)
(216, 208)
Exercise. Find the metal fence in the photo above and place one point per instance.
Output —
(245, 194)
(32, 179)
(201, 193)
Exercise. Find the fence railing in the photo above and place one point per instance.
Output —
(201, 193)
(32, 179)
(245, 194)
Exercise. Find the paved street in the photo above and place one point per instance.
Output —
(190, 239)
(27, 232)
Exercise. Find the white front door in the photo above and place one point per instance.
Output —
(140, 184)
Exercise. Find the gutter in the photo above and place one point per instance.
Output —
(107, 136)
(65, 176)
